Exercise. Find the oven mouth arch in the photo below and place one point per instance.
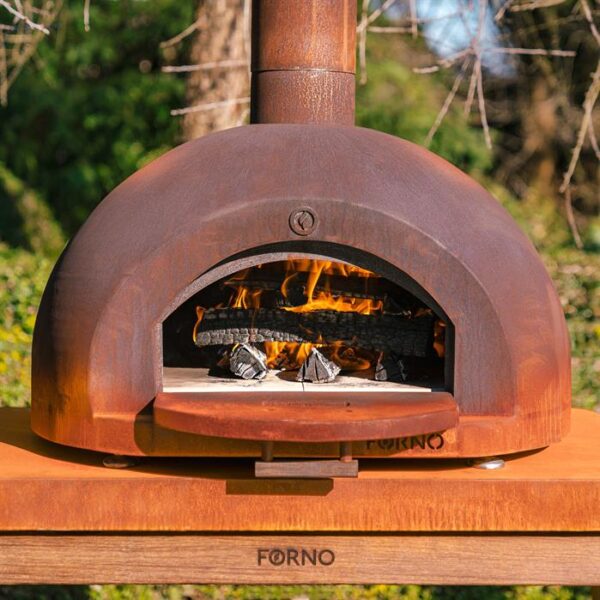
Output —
(315, 250)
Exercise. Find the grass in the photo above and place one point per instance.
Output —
(293, 592)
(23, 276)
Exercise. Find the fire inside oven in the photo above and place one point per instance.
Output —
(300, 323)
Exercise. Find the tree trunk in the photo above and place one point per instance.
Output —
(223, 34)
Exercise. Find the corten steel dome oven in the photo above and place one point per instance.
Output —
(301, 287)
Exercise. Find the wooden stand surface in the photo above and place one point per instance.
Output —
(64, 518)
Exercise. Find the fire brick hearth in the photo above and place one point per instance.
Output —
(300, 287)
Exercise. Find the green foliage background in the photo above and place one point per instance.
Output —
(93, 108)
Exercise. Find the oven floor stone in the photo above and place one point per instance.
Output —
(194, 380)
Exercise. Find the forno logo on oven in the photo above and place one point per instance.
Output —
(433, 441)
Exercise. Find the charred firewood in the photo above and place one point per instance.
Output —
(352, 287)
(375, 288)
(248, 362)
(406, 337)
(391, 368)
(317, 368)
(223, 359)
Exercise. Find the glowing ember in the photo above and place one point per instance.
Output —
(439, 338)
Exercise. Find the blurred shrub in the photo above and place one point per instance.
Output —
(22, 279)
(26, 220)
(94, 107)
(336, 592)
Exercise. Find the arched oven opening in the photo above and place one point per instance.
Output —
(306, 321)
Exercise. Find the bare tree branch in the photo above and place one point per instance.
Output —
(502, 10)
(247, 30)
(470, 93)
(208, 106)
(478, 70)
(364, 23)
(391, 29)
(413, 18)
(362, 42)
(446, 106)
(23, 17)
(86, 15)
(594, 139)
(588, 105)
(481, 102)
(530, 51)
(444, 62)
(3, 72)
(181, 36)
(571, 218)
(534, 5)
(220, 64)
(21, 39)
(590, 19)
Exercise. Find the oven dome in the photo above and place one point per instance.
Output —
(97, 348)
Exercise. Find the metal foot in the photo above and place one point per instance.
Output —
(346, 466)
(346, 451)
(267, 451)
(115, 461)
(489, 463)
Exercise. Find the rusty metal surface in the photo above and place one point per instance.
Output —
(303, 97)
(307, 416)
(310, 34)
(303, 61)
(97, 343)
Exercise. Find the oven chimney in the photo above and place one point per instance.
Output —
(303, 61)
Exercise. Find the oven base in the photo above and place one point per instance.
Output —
(475, 436)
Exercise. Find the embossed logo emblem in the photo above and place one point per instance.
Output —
(303, 221)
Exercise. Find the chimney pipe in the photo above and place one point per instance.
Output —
(303, 61)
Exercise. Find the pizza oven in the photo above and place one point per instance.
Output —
(301, 287)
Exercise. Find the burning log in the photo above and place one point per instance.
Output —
(353, 287)
(248, 362)
(317, 368)
(391, 368)
(384, 332)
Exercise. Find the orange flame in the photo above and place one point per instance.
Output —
(319, 296)
(199, 314)
(351, 359)
(287, 355)
(319, 272)
(439, 338)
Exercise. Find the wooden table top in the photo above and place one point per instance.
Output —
(46, 487)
